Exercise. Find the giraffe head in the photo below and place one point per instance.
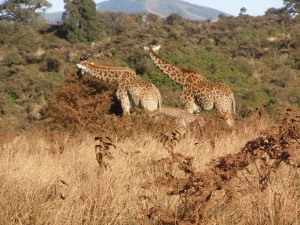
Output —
(154, 48)
(82, 69)
(83, 66)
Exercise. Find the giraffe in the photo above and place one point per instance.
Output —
(197, 92)
(183, 117)
(132, 90)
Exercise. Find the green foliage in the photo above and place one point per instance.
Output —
(294, 96)
(4, 72)
(19, 36)
(80, 20)
(11, 97)
(50, 63)
(258, 57)
(13, 58)
(28, 12)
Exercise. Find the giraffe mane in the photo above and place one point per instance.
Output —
(156, 55)
(188, 70)
(182, 69)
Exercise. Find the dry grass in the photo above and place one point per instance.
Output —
(56, 179)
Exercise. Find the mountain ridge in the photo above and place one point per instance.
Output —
(161, 8)
(158, 7)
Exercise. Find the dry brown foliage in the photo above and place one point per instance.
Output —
(196, 190)
(57, 177)
(80, 103)
(90, 105)
(102, 150)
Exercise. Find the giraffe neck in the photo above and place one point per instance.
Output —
(109, 74)
(173, 72)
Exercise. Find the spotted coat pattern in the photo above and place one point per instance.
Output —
(132, 90)
(198, 92)
(182, 117)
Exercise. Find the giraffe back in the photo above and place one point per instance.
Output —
(106, 73)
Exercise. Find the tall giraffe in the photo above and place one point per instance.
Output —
(132, 90)
(197, 92)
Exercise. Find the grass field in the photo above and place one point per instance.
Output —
(56, 179)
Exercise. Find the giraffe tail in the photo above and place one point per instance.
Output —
(233, 103)
(159, 102)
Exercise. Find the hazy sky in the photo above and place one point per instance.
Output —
(254, 7)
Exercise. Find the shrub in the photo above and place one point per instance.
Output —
(13, 58)
(51, 64)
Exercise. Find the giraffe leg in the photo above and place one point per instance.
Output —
(189, 102)
(229, 120)
(224, 107)
(124, 100)
(228, 117)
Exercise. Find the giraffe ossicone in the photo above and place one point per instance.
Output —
(132, 90)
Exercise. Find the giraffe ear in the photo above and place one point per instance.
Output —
(146, 48)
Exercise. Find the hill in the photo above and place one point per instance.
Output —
(258, 57)
(161, 8)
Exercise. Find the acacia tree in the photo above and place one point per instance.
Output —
(26, 11)
(80, 20)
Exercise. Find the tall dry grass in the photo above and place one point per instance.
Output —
(57, 180)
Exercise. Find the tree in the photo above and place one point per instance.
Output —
(174, 18)
(25, 11)
(293, 6)
(243, 10)
(80, 20)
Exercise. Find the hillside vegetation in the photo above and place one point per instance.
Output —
(258, 57)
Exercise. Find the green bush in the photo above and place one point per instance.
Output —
(19, 36)
(51, 64)
(13, 58)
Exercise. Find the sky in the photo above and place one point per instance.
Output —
(232, 7)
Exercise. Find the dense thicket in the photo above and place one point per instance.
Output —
(258, 57)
